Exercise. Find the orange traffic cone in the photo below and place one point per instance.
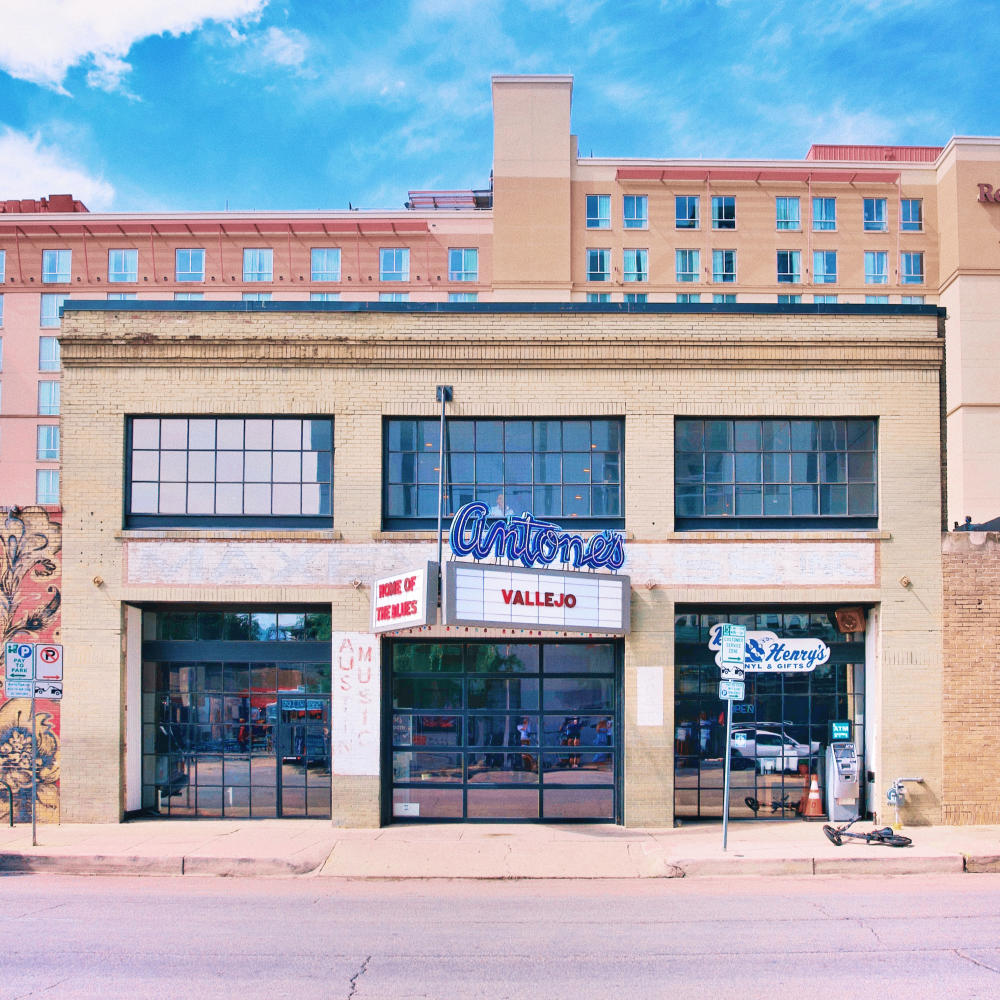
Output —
(814, 804)
(800, 808)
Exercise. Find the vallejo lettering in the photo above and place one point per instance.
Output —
(530, 541)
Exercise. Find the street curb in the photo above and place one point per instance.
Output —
(978, 863)
(100, 864)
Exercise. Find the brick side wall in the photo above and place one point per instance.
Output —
(971, 702)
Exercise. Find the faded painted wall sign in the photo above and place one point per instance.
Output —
(356, 708)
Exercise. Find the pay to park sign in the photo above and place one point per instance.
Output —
(33, 670)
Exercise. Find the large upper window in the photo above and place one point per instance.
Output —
(598, 265)
(911, 215)
(258, 264)
(123, 265)
(189, 471)
(394, 264)
(825, 267)
(786, 212)
(789, 266)
(189, 265)
(876, 267)
(636, 265)
(569, 470)
(636, 211)
(824, 214)
(49, 357)
(463, 264)
(56, 265)
(3, 265)
(911, 268)
(324, 264)
(48, 398)
(598, 211)
(47, 486)
(876, 219)
(686, 264)
(686, 211)
(723, 212)
(775, 473)
(48, 442)
(723, 266)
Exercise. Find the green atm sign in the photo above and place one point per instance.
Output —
(840, 732)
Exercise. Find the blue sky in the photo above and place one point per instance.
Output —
(196, 105)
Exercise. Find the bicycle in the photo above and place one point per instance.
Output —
(883, 835)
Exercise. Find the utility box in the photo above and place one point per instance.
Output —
(842, 775)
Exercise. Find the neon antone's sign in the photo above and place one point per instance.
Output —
(531, 542)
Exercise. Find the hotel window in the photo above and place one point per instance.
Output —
(123, 265)
(775, 473)
(687, 265)
(463, 296)
(723, 266)
(875, 215)
(189, 265)
(56, 265)
(824, 214)
(912, 300)
(598, 211)
(463, 264)
(598, 265)
(825, 300)
(912, 268)
(254, 471)
(51, 304)
(724, 298)
(723, 212)
(48, 354)
(394, 264)
(565, 469)
(189, 296)
(876, 267)
(122, 296)
(636, 211)
(911, 215)
(688, 298)
(324, 264)
(789, 266)
(789, 300)
(48, 399)
(47, 486)
(787, 213)
(686, 211)
(824, 267)
(596, 298)
(394, 296)
(258, 264)
(876, 300)
(636, 298)
(256, 297)
(324, 296)
(3, 266)
(48, 443)
(1, 310)
(637, 265)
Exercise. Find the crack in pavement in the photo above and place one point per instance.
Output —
(969, 958)
(357, 975)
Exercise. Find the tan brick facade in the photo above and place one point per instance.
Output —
(647, 367)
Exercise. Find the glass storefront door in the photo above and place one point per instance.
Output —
(780, 730)
(513, 731)
(236, 713)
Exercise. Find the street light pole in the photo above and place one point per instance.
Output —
(443, 397)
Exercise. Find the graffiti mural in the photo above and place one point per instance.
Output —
(30, 598)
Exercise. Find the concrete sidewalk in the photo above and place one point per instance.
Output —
(482, 851)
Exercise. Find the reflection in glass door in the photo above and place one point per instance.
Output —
(302, 755)
(512, 731)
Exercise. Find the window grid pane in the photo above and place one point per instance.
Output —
(875, 215)
(824, 214)
(637, 265)
(564, 468)
(876, 267)
(911, 215)
(394, 264)
(598, 211)
(325, 264)
(723, 212)
(687, 265)
(723, 266)
(778, 468)
(56, 265)
(463, 264)
(636, 211)
(598, 265)
(258, 264)
(789, 266)
(686, 212)
(189, 265)
(231, 466)
(787, 213)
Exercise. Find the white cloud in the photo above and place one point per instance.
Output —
(41, 41)
(288, 49)
(31, 169)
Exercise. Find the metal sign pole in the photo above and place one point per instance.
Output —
(34, 771)
(725, 794)
(443, 393)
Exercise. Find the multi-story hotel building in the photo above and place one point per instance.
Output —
(858, 225)
(747, 386)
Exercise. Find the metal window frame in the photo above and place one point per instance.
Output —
(125, 274)
(188, 274)
(598, 221)
(400, 273)
(255, 272)
(324, 273)
(792, 276)
(57, 276)
(720, 219)
(635, 221)
(688, 221)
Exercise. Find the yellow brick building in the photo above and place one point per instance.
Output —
(237, 476)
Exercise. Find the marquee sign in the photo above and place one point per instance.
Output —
(405, 600)
(766, 653)
(531, 542)
(475, 594)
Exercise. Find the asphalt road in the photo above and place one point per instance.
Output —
(910, 937)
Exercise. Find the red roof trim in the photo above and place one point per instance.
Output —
(255, 228)
(753, 174)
